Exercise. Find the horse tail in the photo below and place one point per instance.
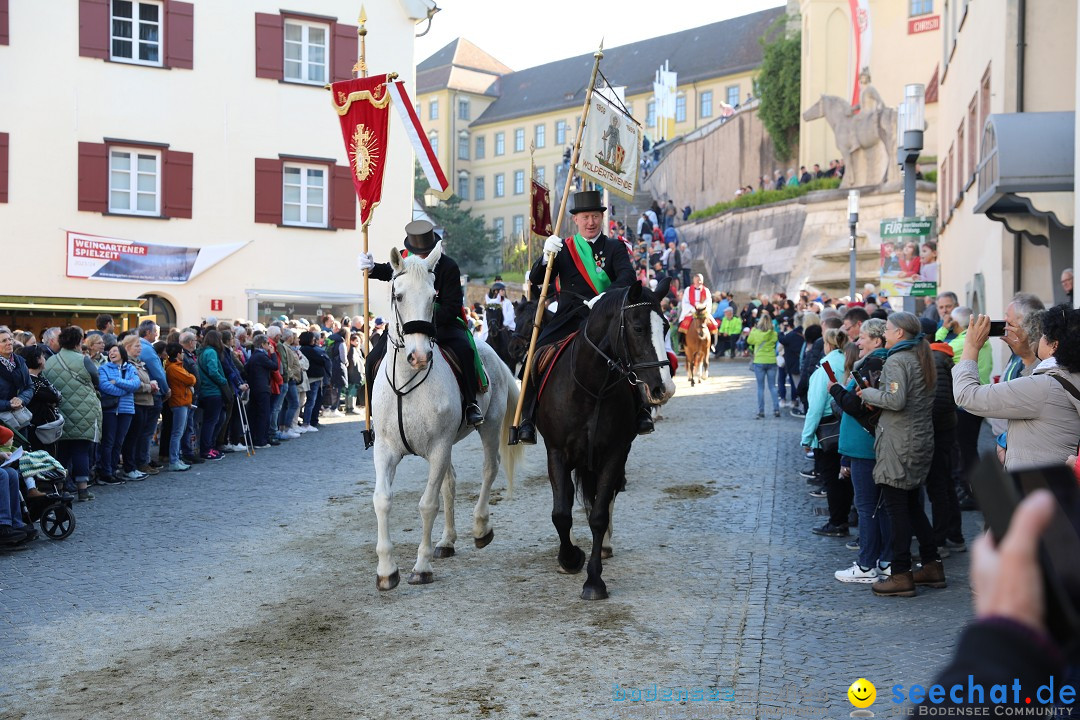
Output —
(509, 455)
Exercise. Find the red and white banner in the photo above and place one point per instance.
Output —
(361, 105)
(863, 42)
(428, 161)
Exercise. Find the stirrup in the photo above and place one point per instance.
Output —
(473, 416)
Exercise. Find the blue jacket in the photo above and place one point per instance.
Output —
(855, 440)
(259, 369)
(121, 384)
(15, 384)
(154, 367)
(817, 396)
(229, 368)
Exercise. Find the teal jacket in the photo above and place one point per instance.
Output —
(817, 396)
(855, 441)
(212, 377)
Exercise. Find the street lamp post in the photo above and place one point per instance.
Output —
(910, 124)
(853, 220)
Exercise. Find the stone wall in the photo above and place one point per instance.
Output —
(796, 244)
(708, 166)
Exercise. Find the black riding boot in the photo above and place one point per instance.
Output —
(527, 427)
(473, 416)
(644, 419)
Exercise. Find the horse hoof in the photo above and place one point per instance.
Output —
(606, 553)
(590, 592)
(443, 552)
(388, 583)
(421, 578)
(483, 542)
(574, 567)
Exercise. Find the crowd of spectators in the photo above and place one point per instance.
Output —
(138, 403)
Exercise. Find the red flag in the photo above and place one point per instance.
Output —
(363, 107)
(541, 210)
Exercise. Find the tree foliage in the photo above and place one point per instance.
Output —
(778, 85)
(465, 237)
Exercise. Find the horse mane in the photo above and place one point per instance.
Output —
(415, 267)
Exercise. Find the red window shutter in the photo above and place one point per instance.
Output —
(3, 22)
(345, 48)
(176, 184)
(269, 46)
(3, 167)
(268, 191)
(343, 200)
(94, 28)
(93, 177)
(179, 34)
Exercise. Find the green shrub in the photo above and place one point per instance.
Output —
(766, 197)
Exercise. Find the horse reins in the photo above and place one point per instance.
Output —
(423, 327)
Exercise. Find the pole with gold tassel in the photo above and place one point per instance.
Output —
(539, 317)
(361, 70)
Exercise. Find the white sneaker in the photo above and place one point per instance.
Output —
(302, 429)
(312, 428)
(291, 434)
(856, 574)
(884, 572)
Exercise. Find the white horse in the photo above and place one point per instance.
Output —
(416, 403)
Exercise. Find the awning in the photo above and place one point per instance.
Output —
(306, 297)
(70, 305)
(1026, 172)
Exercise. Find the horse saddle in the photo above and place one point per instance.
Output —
(452, 361)
(547, 356)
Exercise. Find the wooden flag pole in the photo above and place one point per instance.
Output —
(361, 70)
(598, 56)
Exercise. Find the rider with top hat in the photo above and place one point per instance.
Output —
(586, 265)
(450, 330)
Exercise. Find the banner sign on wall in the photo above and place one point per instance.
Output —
(93, 257)
(909, 264)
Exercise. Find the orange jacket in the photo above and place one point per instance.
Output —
(180, 382)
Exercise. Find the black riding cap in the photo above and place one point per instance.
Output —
(420, 237)
(588, 201)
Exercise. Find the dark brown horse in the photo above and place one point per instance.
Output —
(587, 414)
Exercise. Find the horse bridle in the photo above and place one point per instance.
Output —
(625, 368)
(424, 327)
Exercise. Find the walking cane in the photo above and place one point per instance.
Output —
(245, 426)
(550, 257)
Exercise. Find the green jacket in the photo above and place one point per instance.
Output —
(80, 404)
(730, 326)
(986, 357)
(211, 376)
(764, 345)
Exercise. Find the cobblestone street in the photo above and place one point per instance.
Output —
(246, 589)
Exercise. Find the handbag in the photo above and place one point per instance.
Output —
(828, 433)
(17, 418)
(50, 432)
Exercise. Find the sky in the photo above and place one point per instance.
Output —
(524, 34)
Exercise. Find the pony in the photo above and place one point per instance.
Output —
(498, 335)
(416, 409)
(587, 414)
(698, 343)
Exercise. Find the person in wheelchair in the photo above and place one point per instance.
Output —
(586, 265)
(13, 531)
(451, 331)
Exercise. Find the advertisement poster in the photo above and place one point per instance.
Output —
(610, 147)
(93, 257)
(909, 261)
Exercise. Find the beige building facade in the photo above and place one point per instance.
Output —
(484, 132)
(207, 137)
(1002, 108)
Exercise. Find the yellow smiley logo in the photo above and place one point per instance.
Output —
(862, 693)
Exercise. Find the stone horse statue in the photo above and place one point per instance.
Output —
(866, 140)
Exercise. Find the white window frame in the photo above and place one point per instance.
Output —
(478, 190)
(680, 108)
(706, 104)
(650, 113)
(518, 226)
(481, 149)
(433, 109)
(519, 182)
(464, 111)
(519, 140)
(304, 169)
(463, 182)
(541, 135)
(728, 95)
(463, 145)
(500, 185)
(560, 132)
(498, 227)
(306, 64)
(500, 143)
(135, 33)
(132, 191)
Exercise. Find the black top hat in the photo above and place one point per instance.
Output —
(588, 201)
(420, 237)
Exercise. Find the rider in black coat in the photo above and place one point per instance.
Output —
(450, 331)
(575, 288)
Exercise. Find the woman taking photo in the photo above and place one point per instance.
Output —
(903, 447)
(118, 380)
(857, 448)
(827, 456)
(1043, 409)
(762, 342)
(76, 377)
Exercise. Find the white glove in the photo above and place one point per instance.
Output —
(553, 245)
(365, 261)
(589, 303)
